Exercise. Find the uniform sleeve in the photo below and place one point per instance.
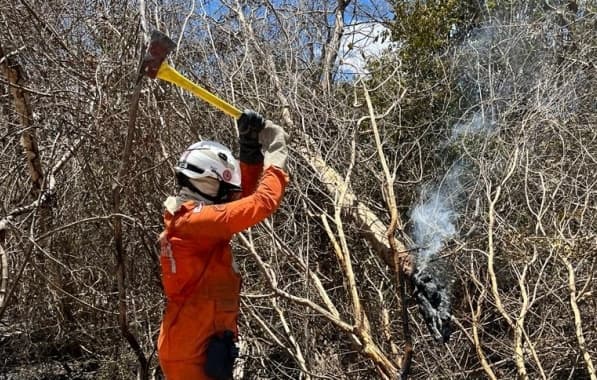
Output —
(239, 215)
(250, 174)
(224, 220)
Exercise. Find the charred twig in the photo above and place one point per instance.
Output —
(414, 249)
(432, 291)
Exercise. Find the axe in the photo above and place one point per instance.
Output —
(154, 65)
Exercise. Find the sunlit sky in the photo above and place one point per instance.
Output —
(359, 44)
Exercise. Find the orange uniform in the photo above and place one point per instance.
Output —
(201, 285)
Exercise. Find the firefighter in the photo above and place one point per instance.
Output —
(217, 198)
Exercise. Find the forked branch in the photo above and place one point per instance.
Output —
(396, 246)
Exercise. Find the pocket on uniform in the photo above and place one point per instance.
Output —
(226, 314)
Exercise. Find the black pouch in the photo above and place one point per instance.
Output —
(221, 353)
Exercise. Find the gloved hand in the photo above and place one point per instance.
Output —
(273, 143)
(250, 124)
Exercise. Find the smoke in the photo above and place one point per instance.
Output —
(477, 125)
(434, 222)
(434, 217)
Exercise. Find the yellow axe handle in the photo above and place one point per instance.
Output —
(169, 74)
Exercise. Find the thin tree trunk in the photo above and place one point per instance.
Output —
(333, 45)
(120, 252)
(13, 72)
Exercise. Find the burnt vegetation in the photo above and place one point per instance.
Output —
(480, 115)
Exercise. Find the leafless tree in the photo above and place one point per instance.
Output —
(325, 292)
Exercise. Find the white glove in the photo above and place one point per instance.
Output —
(273, 145)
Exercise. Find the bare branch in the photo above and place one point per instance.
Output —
(577, 318)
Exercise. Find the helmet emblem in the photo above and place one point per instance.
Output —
(227, 175)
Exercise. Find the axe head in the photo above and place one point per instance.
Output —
(159, 48)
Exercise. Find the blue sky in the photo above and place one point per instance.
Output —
(364, 22)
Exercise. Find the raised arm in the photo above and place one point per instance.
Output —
(263, 144)
(237, 216)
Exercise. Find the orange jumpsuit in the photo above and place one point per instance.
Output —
(202, 288)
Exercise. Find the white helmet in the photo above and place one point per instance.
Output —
(210, 159)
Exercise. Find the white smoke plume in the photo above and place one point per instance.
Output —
(476, 125)
(434, 217)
